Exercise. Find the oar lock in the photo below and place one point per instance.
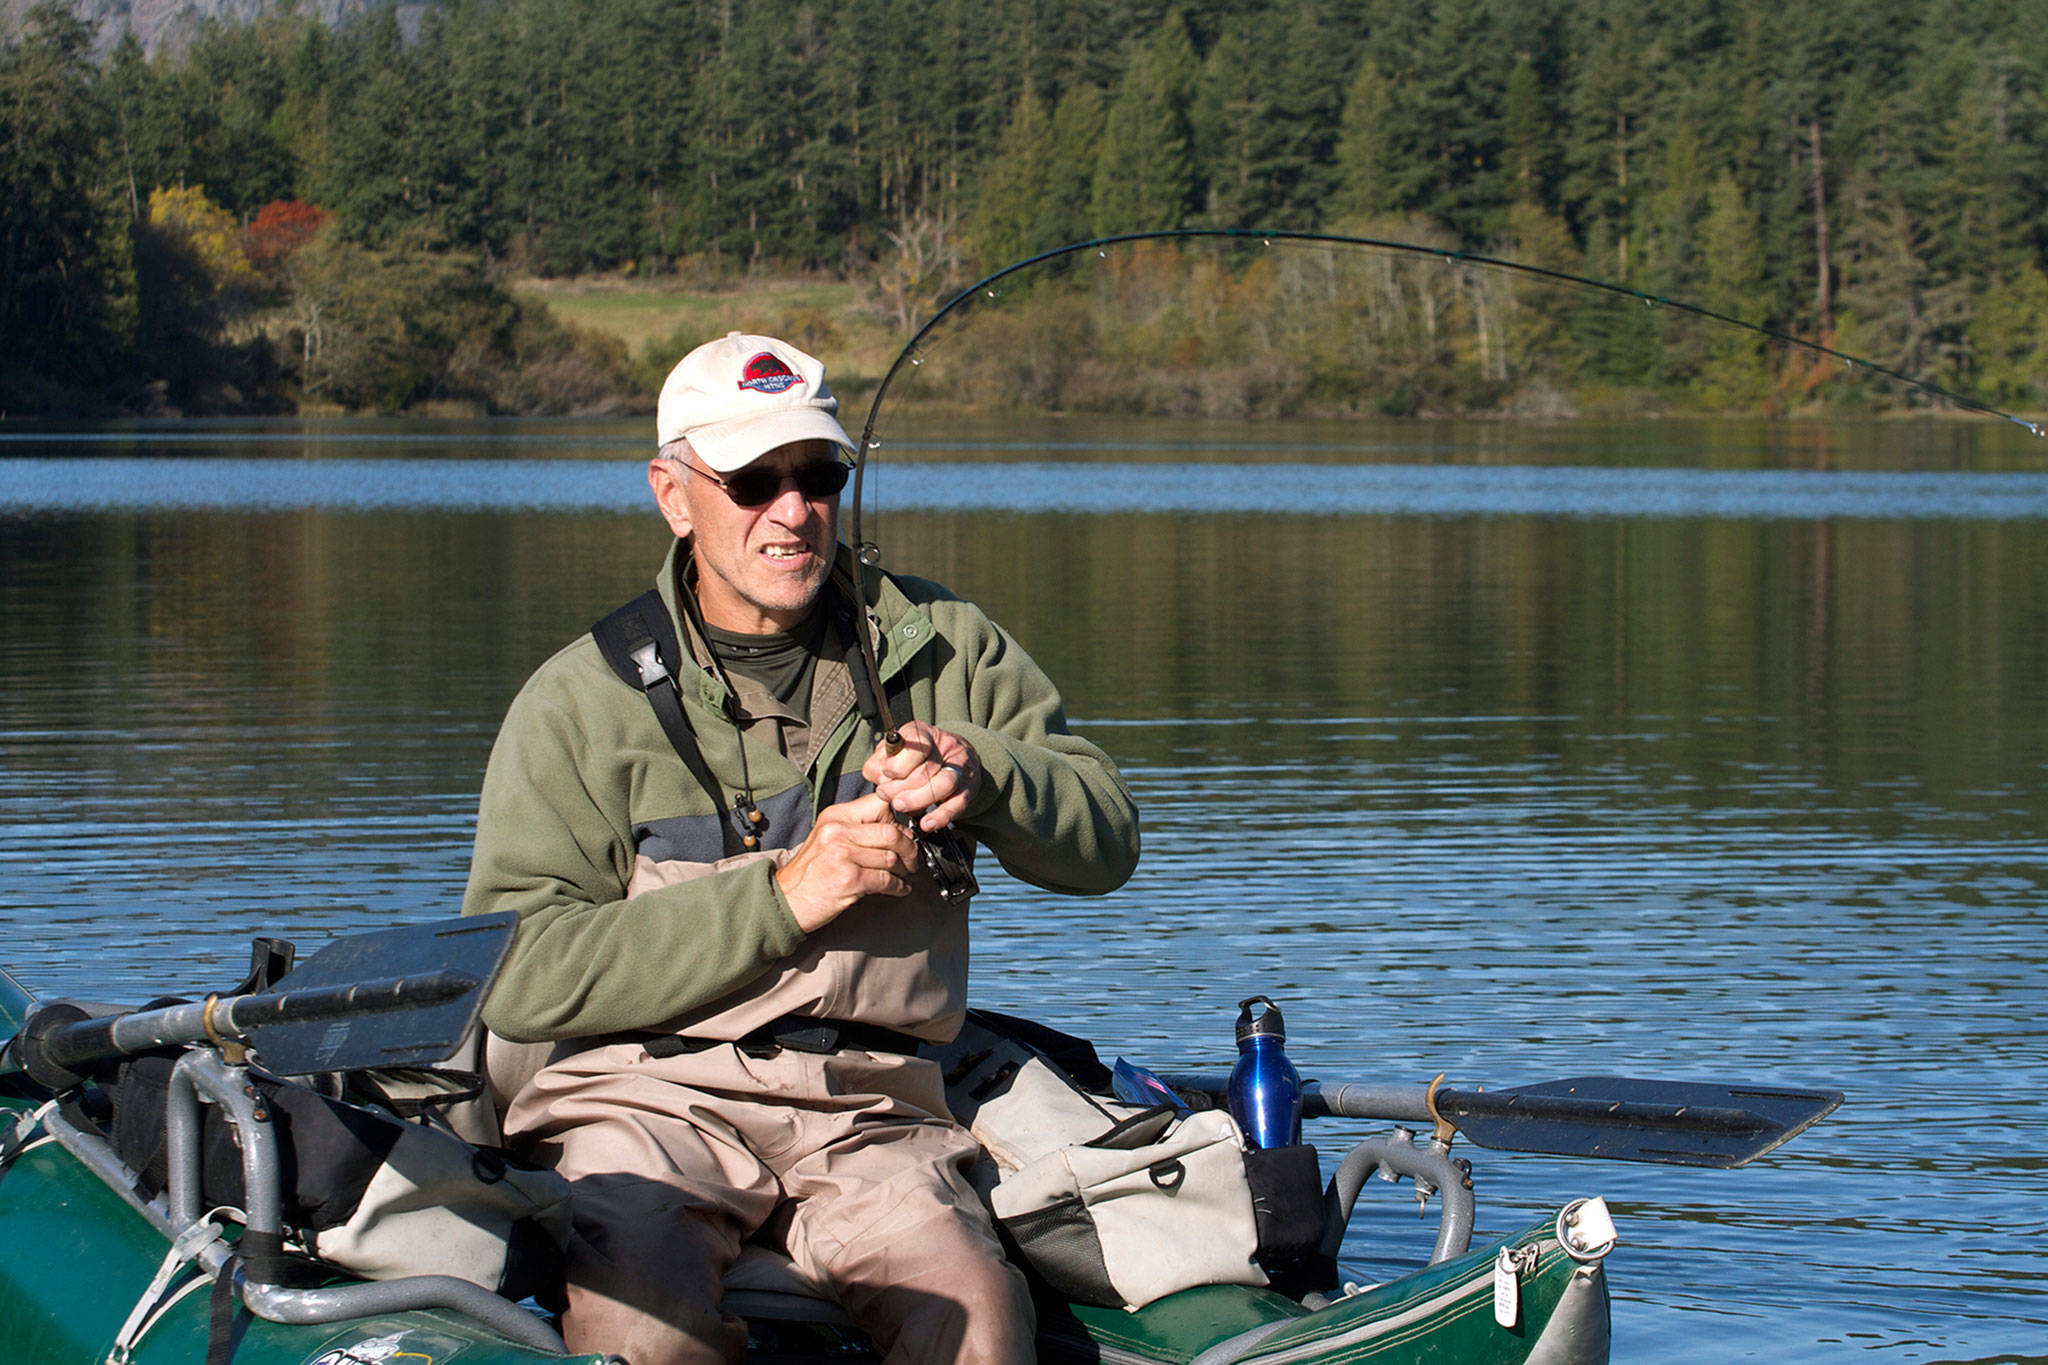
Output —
(1444, 1131)
(232, 1051)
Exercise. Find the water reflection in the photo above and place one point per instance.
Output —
(1734, 795)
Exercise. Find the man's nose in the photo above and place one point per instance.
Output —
(789, 504)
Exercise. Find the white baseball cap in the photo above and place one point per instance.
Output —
(737, 398)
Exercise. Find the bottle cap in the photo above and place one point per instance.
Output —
(1267, 1025)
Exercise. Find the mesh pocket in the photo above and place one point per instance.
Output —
(1059, 1242)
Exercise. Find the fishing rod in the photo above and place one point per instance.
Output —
(912, 353)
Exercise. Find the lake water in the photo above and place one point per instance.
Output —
(1702, 750)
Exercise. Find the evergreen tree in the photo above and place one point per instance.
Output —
(1144, 168)
(64, 288)
(1077, 127)
(1266, 121)
(1736, 373)
(1365, 155)
(2008, 336)
(1528, 135)
(1451, 110)
(146, 137)
(1603, 156)
(1017, 211)
(303, 121)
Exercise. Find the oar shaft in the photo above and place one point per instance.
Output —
(1365, 1100)
(236, 1017)
(1353, 1100)
(1410, 1104)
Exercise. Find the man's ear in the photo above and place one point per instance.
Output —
(667, 482)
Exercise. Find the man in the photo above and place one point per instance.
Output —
(732, 935)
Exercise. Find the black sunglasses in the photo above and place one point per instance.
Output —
(754, 487)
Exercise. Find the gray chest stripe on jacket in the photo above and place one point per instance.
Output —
(701, 838)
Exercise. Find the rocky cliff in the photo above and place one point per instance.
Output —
(172, 23)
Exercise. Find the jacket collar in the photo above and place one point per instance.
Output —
(903, 627)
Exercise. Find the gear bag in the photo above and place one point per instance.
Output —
(1117, 1204)
(363, 1190)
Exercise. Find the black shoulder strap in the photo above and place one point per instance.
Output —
(639, 642)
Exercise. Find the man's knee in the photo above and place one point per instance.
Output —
(677, 1334)
(940, 1293)
(643, 1276)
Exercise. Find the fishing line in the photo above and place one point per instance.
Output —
(913, 352)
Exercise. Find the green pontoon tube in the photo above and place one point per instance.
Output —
(94, 1269)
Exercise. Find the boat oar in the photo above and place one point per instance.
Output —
(398, 997)
(1621, 1118)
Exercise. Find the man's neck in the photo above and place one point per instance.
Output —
(741, 618)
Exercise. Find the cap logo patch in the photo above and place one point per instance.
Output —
(767, 374)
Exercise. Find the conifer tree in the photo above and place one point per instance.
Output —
(1736, 371)
(1017, 211)
(64, 286)
(1144, 168)
(1365, 149)
(1077, 126)
(1266, 121)
(1528, 136)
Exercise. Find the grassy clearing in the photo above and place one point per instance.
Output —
(659, 320)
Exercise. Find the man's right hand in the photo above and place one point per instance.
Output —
(855, 849)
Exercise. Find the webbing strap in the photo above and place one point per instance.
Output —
(222, 1309)
(639, 642)
(184, 1247)
(25, 1132)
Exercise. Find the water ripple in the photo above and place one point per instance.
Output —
(72, 485)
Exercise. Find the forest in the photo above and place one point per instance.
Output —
(283, 214)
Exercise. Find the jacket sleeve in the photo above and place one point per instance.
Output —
(1052, 807)
(553, 844)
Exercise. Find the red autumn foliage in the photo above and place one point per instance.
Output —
(280, 228)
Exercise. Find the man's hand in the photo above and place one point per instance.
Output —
(856, 849)
(935, 771)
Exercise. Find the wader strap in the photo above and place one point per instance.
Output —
(639, 642)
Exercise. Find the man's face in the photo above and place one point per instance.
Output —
(759, 569)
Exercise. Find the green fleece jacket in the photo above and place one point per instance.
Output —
(584, 794)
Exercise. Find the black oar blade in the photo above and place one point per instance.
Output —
(470, 947)
(1623, 1118)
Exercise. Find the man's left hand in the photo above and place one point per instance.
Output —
(935, 771)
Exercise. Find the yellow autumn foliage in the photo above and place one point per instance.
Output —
(207, 231)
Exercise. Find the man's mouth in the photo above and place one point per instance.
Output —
(785, 551)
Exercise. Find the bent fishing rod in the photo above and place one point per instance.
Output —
(912, 353)
(866, 555)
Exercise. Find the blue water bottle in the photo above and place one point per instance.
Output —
(1265, 1089)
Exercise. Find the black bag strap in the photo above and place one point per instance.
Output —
(639, 642)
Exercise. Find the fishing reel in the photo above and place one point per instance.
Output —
(946, 856)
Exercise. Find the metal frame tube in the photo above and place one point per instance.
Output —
(201, 1071)
(1397, 1153)
(337, 1303)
